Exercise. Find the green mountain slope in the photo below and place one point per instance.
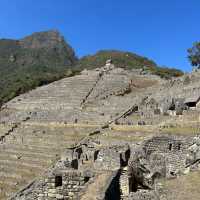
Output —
(126, 60)
(33, 61)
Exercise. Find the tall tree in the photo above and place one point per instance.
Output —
(194, 55)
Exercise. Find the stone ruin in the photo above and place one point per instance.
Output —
(132, 173)
(67, 120)
(161, 157)
(79, 167)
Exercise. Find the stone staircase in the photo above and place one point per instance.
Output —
(124, 183)
(107, 85)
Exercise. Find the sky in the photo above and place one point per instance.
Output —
(161, 30)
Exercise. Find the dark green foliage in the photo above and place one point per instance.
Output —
(194, 55)
(165, 72)
(26, 64)
(120, 59)
(45, 57)
(126, 60)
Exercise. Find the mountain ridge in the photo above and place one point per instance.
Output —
(44, 57)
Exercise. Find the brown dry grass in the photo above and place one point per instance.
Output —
(134, 128)
(185, 187)
(184, 130)
(57, 125)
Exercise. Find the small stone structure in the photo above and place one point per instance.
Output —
(160, 156)
(112, 157)
(135, 172)
(78, 167)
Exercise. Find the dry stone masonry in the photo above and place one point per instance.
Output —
(131, 174)
(62, 141)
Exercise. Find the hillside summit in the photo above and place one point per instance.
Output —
(127, 60)
(107, 133)
(35, 60)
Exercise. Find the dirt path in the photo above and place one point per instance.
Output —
(97, 186)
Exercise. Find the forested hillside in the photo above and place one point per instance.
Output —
(33, 61)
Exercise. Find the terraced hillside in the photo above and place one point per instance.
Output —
(37, 126)
(44, 57)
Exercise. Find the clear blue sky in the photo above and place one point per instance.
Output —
(159, 29)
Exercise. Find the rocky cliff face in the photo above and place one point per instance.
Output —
(47, 48)
(47, 39)
(51, 42)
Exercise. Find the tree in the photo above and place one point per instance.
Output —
(194, 55)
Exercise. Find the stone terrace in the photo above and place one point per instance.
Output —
(37, 126)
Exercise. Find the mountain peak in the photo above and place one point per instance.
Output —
(44, 39)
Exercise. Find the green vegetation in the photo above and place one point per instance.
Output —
(194, 54)
(45, 57)
(120, 59)
(23, 68)
(165, 72)
(126, 60)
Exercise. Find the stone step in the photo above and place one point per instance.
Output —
(19, 163)
(32, 147)
(18, 177)
(65, 100)
(66, 93)
(11, 182)
(9, 186)
(7, 190)
(32, 138)
(26, 171)
(46, 144)
(29, 153)
(9, 166)
(22, 157)
(46, 135)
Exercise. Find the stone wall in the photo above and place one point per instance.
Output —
(161, 157)
(158, 157)
(165, 144)
(143, 195)
(112, 158)
(63, 185)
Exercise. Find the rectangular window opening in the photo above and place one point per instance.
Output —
(58, 181)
